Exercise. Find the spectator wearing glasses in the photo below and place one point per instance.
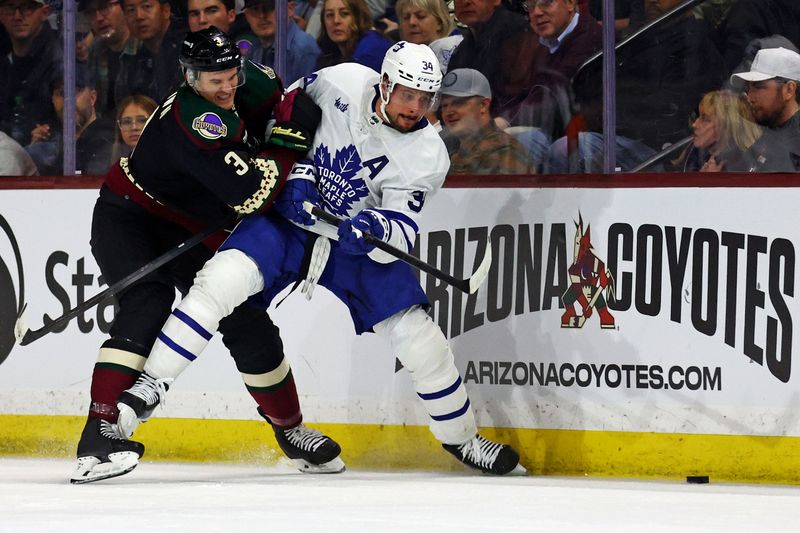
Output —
(302, 50)
(771, 86)
(29, 71)
(134, 110)
(724, 132)
(542, 109)
(151, 70)
(111, 39)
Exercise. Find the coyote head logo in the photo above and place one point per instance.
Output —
(591, 285)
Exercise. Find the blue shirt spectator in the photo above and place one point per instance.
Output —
(348, 36)
(301, 49)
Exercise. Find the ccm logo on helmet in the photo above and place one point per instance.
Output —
(224, 59)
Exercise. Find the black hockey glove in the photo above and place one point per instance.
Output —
(296, 120)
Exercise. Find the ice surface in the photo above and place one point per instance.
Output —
(164, 497)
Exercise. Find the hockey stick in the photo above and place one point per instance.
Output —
(25, 335)
(468, 285)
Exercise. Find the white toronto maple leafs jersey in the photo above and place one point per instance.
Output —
(362, 162)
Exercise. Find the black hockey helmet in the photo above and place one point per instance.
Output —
(209, 50)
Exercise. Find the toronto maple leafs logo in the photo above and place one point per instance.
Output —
(339, 184)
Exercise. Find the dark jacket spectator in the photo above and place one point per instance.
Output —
(153, 69)
(29, 71)
(491, 45)
(752, 19)
(94, 137)
(111, 38)
(543, 99)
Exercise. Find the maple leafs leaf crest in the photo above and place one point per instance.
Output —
(339, 184)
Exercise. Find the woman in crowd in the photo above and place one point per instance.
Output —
(423, 21)
(132, 115)
(725, 133)
(347, 35)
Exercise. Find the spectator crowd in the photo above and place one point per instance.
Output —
(522, 94)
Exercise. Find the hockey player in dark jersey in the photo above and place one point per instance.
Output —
(201, 161)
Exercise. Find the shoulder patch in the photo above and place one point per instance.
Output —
(210, 126)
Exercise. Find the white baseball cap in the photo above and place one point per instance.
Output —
(772, 63)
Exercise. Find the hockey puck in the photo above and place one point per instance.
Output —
(697, 479)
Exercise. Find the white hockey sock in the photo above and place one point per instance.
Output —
(424, 351)
(225, 281)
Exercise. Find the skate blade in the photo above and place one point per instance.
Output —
(92, 469)
(334, 466)
(518, 470)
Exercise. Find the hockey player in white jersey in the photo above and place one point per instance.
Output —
(374, 162)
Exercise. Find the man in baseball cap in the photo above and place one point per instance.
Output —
(481, 147)
(771, 86)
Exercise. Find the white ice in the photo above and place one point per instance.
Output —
(163, 497)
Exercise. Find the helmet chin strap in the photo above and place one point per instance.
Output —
(385, 102)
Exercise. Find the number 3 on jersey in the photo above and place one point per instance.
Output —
(416, 203)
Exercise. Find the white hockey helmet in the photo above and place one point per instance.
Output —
(411, 65)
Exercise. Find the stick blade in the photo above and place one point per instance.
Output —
(479, 276)
(21, 327)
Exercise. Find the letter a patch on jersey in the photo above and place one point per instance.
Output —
(339, 183)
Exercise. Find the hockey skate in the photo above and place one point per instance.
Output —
(138, 403)
(311, 451)
(103, 453)
(487, 456)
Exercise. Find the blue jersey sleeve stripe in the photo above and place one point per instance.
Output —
(399, 217)
(177, 348)
(454, 414)
(442, 393)
(189, 321)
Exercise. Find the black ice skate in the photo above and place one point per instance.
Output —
(103, 453)
(311, 451)
(487, 456)
(137, 403)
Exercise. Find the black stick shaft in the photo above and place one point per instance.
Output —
(35, 334)
(461, 284)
